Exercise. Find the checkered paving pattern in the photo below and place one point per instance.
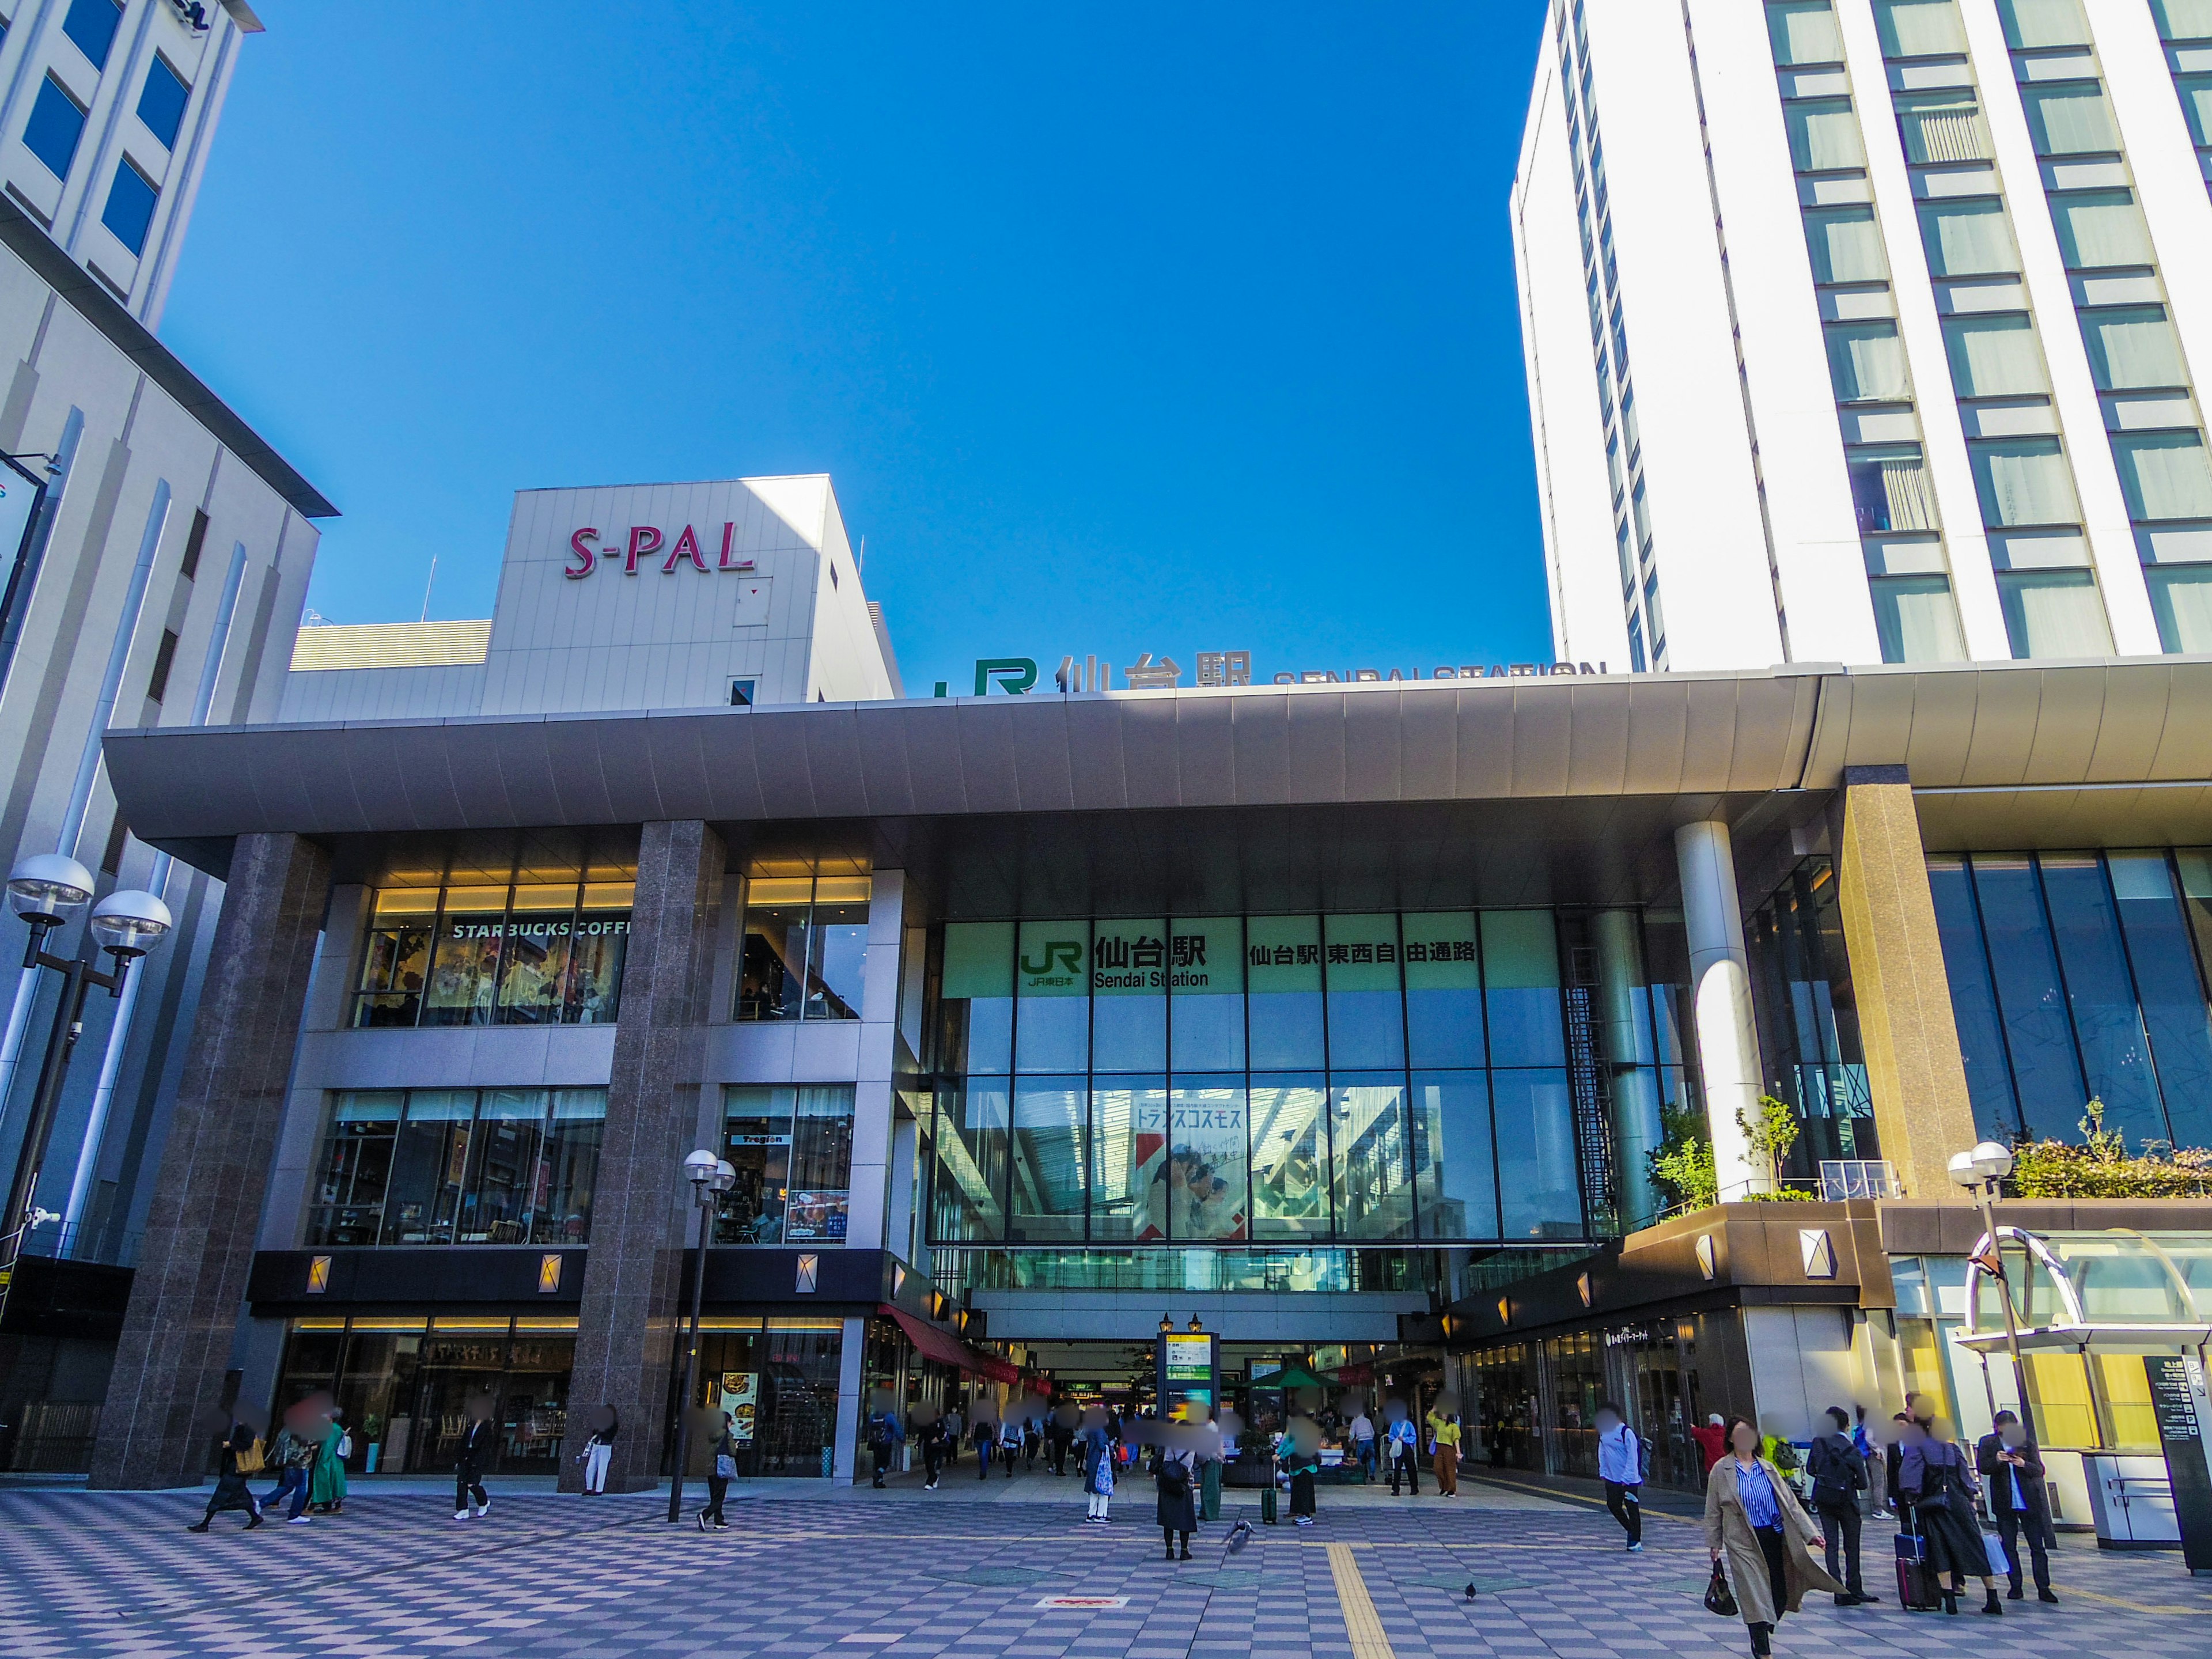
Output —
(800, 1572)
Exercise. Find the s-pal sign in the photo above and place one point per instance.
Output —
(645, 541)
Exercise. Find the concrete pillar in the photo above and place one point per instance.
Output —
(1720, 1001)
(1914, 1069)
(1633, 1086)
(182, 1323)
(852, 1410)
(642, 1216)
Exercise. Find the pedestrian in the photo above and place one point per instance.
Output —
(1754, 1520)
(1838, 1474)
(1301, 1455)
(724, 1450)
(326, 1481)
(954, 1427)
(476, 1448)
(1097, 1464)
(1011, 1434)
(1712, 1440)
(884, 1436)
(292, 1455)
(1936, 1478)
(986, 1438)
(1032, 1443)
(240, 1460)
(1178, 1513)
(1443, 1442)
(2019, 1500)
(1402, 1441)
(931, 1435)
(600, 1450)
(1620, 1467)
(1363, 1445)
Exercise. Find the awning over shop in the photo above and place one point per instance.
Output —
(948, 1349)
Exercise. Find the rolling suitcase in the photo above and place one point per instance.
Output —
(1916, 1579)
(1268, 1504)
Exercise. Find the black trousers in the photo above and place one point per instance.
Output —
(717, 1488)
(884, 1457)
(1408, 1463)
(1772, 1546)
(2010, 1524)
(1839, 1524)
(1302, 1494)
(1168, 1537)
(468, 1482)
(1626, 1507)
(931, 1454)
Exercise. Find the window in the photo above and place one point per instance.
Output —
(1803, 32)
(1941, 126)
(1968, 239)
(458, 1166)
(2070, 120)
(1916, 619)
(2033, 23)
(741, 693)
(1824, 135)
(1994, 356)
(531, 953)
(193, 541)
(793, 1150)
(162, 102)
(2182, 20)
(1865, 363)
(56, 123)
(2101, 227)
(1636, 659)
(165, 655)
(1626, 559)
(130, 210)
(92, 25)
(1845, 246)
(2195, 92)
(1890, 490)
(1651, 609)
(1613, 467)
(806, 948)
(2053, 613)
(2181, 598)
(1918, 28)
(1640, 509)
(2164, 475)
(2132, 347)
(2023, 481)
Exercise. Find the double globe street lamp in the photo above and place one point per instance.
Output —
(1981, 1172)
(710, 1177)
(45, 889)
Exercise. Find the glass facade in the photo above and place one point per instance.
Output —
(2075, 974)
(806, 949)
(1298, 1080)
(1808, 1028)
(522, 953)
(458, 1166)
(793, 1150)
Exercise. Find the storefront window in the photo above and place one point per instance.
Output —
(531, 953)
(778, 1381)
(793, 1150)
(458, 1166)
(806, 948)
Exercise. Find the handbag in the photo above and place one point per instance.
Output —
(345, 1445)
(1719, 1598)
(726, 1466)
(2000, 1564)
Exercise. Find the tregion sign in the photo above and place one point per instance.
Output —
(645, 541)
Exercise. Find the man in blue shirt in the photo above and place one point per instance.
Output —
(1620, 1466)
(1403, 1444)
(2018, 1499)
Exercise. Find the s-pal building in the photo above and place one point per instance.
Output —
(1340, 1018)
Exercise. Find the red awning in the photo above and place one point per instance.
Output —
(948, 1349)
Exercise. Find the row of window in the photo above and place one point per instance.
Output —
(521, 953)
(2185, 27)
(57, 121)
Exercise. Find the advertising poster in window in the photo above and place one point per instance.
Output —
(1204, 1170)
(741, 1399)
(815, 1218)
(591, 983)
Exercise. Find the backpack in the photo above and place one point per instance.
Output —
(1174, 1478)
(252, 1460)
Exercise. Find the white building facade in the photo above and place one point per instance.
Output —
(107, 112)
(1869, 331)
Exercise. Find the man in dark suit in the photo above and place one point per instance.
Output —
(2018, 1499)
(476, 1443)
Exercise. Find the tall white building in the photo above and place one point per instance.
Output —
(1870, 331)
(107, 111)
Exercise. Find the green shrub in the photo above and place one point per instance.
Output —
(2102, 1166)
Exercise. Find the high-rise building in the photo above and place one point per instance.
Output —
(107, 111)
(1870, 331)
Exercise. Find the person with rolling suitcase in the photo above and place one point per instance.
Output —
(1916, 1579)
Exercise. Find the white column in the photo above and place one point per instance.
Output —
(1720, 998)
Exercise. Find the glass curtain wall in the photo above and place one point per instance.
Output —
(534, 951)
(2185, 27)
(458, 1166)
(1373, 1078)
(1809, 1019)
(2082, 975)
(806, 949)
(793, 1150)
(2151, 421)
(1900, 532)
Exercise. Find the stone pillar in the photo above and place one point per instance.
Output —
(1720, 1000)
(180, 1329)
(642, 1216)
(1914, 1069)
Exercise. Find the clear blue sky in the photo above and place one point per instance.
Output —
(1118, 328)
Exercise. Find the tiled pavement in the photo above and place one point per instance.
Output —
(803, 1571)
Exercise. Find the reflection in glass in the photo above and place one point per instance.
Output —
(821, 1163)
(1373, 1184)
(503, 1167)
(1206, 1166)
(1444, 989)
(2038, 1035)
(1539, 1194)
(563, 1215)
(1455, 1170)
(1128, 1141)
(429, 1167)
(1205, 971)
(1289, 1157)
(2107, 1024)
(1366, 1012)
(1282, 956)
(1973, 998)
(838, 948)
(1048, 1161)
(1052, 1023)
(968, 1184)
(771, 982)
(396, 966)
(465, 969)
(756, 1142)
(976, 1000)
(1520, 987)
(1129, 988)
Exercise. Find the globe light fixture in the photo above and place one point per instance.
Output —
(129, 923)
(46, 886)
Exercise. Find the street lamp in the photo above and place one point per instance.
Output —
(1980, 1171)
(45, 889)
(710, 1177)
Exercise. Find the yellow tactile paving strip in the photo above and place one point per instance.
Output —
(1362, 1625)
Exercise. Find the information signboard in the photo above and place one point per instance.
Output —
(2178, 1399)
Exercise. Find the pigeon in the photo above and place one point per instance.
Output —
(1239, 1536)
(1470, 1589)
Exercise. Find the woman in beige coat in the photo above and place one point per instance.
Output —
(1755, 1519)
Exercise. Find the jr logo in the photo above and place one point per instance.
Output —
(1061, 955)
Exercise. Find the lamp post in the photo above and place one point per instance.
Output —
(1980, 1171)
(710, 1177)
(45, 888)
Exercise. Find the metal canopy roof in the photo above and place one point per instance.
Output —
(2119, 1290)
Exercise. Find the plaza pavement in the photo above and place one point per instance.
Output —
(973, 1569)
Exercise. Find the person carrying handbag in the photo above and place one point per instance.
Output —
(2020, 1501)
(724, 1448)
(1754, 1521)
